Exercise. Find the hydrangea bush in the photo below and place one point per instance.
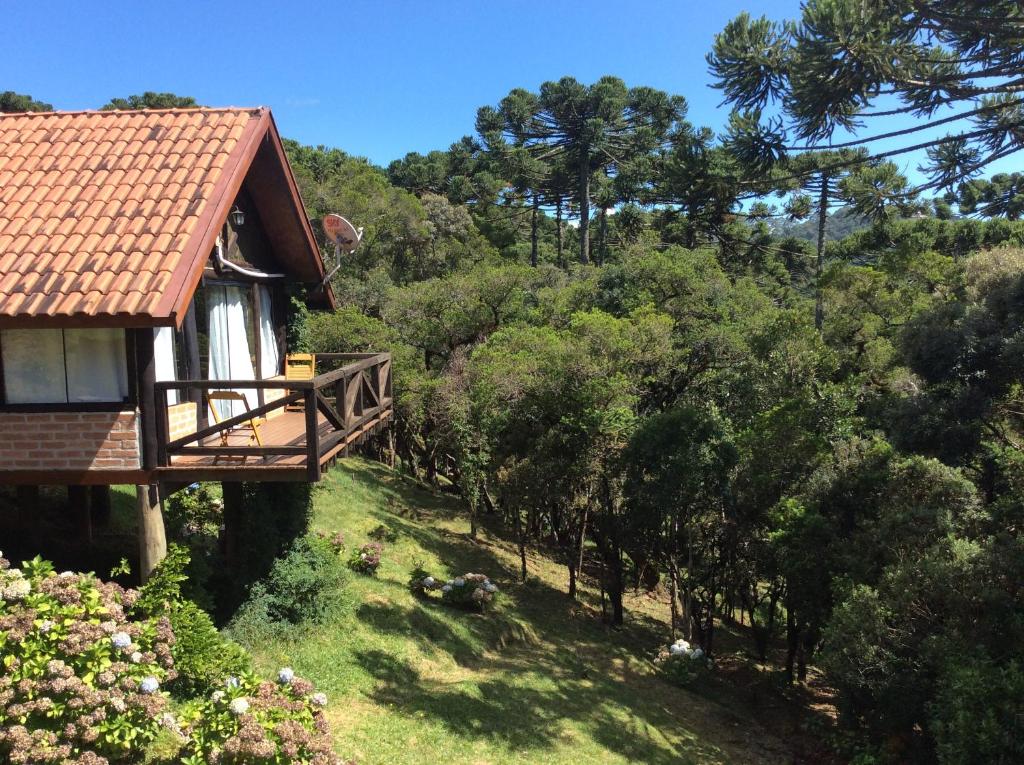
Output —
(475, 591)
(366, 559)
(683, 664)
(246, 720)
(82, 680)
(79, 680)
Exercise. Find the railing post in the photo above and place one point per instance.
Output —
(312, 437)
(163, 428)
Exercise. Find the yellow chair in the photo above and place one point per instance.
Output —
(299, 366)
(254, 422)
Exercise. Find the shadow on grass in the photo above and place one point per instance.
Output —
(538, 713)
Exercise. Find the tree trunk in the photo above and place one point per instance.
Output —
(673, 592)
(521, 541)
(152, 539)
(584, 193)
(792, 643)
(617, 586)
(819, 308)
(571, 565)
(533, 232)
(558, 232)
(602, 251)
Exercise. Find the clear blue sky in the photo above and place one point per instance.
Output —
(377, 79)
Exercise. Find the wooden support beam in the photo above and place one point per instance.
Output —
(78, 504)
(99, 505)
(28, 508)
(152, 538)
(232, 513)
(146, 365)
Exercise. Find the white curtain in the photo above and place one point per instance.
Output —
(229, 345)
(96, 365)
(163, 358)
(34, 366)
(269, 358)
(56, 366)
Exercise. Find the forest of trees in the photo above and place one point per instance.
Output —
(610, 340)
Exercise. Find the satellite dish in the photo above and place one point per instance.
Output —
(344, 235)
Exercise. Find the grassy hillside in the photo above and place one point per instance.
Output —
(543, 681)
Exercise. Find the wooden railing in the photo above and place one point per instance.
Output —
(353, 395)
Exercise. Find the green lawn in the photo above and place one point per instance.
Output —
(541, 682)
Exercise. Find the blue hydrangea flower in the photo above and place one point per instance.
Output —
(149, 685)
(232, 682)
(121, 640)
(285, 675)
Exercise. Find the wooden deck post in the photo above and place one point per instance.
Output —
(78, 504)
(100, 505)
(152, 539)
(28, 509)
(234, 499)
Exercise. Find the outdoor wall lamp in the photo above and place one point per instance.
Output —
(237, 216)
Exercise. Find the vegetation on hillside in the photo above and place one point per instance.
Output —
(614, 348)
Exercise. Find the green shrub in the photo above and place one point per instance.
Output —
(305, 586)
(253, 722)
(366, 559)
(471, 591)
(683, 665)
(978, 715)
(420, 581)
(202, 656)
(194, 517)
(80, 679)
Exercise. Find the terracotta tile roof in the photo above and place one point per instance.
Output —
(105, 217)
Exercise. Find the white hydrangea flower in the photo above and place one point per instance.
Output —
(136, 657)
(428, 581)
(16, 590)
(318, 699)
(239, 706)
(217, 695)
(285, 675)
(446, 588)
(46, 625)
(121, 640)
(458, 581)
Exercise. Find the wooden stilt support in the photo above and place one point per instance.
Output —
(152, 539)
(28, 510)
(233, 499)
(78, 504)
(100, 506)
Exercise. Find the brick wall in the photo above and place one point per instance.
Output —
(181, 419)
(69, 441)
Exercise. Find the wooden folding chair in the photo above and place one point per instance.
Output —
(299, 366)
(254, 422)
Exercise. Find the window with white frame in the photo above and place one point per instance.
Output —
(64, 366)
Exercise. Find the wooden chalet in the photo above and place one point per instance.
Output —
(146, 265)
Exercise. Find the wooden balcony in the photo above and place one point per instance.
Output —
(303, 424)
